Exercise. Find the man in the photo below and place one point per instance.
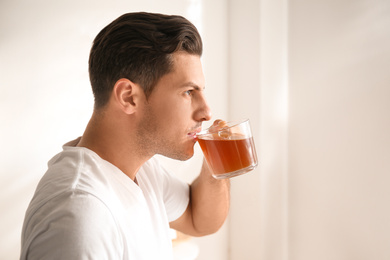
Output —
(105, 196)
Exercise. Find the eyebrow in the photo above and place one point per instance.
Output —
(192, 84)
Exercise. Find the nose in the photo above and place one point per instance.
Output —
(203, 112)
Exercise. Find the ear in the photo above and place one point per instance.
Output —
(127, 95)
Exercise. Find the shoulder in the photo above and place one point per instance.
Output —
(74, 209)
(78, 168)
(71, 225)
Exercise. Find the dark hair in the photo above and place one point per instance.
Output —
(139, 47)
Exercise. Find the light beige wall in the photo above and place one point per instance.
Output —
(315, 75)
(339, 129)
(244, 81)
(258, 74)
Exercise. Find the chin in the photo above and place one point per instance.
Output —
(182, 155)
(188, 157)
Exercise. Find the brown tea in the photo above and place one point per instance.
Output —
(228, 155)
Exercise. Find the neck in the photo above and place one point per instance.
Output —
(114, 142)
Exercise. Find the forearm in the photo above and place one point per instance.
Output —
(209, 202)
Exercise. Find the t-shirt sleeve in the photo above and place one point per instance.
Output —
(73, 226)
(176, 194)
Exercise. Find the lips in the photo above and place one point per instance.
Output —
(194, 132)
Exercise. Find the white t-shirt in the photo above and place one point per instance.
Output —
(86, 208)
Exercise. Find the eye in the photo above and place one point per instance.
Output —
(189, 92)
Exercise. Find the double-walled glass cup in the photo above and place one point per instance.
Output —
(229, 150)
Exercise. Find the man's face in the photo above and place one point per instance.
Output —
(175, 110)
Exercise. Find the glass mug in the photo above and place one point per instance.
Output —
(229, 150)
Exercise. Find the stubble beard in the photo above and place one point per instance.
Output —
(151, 141)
